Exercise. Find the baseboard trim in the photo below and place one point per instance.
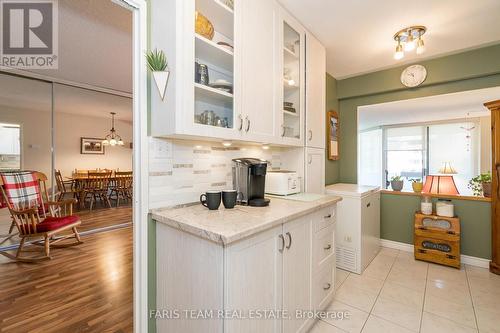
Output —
(465, 259)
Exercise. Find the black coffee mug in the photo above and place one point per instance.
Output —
(229, 198)
(211, 199)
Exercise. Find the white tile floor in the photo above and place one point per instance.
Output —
(399, 294)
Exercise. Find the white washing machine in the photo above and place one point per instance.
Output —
(357, 236)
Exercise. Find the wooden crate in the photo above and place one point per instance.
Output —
(437, 239)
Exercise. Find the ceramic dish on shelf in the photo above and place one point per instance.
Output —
(227, 46)
(222, 85)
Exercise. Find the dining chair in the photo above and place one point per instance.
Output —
(122, 187)
(36, 217)
(65, 187)
(96, 187)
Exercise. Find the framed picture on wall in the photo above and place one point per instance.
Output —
(92, 146)
(333, 128)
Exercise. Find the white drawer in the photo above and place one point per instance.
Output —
(324, 286)
(325, 217)
(323, 246)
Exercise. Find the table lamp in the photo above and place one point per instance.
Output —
(441, 183)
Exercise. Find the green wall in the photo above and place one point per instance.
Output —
(396, 215)
(332, 103)
(469, 70)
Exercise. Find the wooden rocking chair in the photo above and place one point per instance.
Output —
(43, 221)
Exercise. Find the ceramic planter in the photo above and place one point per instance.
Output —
(486, 189)
(397, 185)
(417, 186)
(161, 80)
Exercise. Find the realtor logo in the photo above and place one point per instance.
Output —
(29, 36)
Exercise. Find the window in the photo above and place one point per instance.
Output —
(10, 147)
(419, 150)
(405, 153)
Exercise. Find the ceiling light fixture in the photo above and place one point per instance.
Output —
(112, 139)
(408, 39)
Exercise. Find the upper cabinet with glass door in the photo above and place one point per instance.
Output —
(292, 85)
(198, 39)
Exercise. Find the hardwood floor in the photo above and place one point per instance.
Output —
(87, 288)
(97, 218)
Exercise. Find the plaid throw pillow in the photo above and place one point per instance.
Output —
(22, 190)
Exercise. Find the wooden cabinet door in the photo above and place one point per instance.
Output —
(315, 92)
(297, 259)
(254, 274)
(315, 170)
(258, 67)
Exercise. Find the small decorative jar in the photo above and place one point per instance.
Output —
(426, 205)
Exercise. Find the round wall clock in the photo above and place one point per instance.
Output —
(413, 76)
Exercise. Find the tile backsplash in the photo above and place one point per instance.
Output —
(179, 171)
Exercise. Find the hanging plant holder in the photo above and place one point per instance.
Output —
(157, 63)
(161, 80)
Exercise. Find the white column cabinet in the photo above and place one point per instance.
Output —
(315, 92)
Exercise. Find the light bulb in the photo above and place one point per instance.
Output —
(120, 143)
(265, 147)
(112, 142)
(105, 142)
(420, 46)
(410, 44)
(399, 54)
(227, 143)
(291, 82)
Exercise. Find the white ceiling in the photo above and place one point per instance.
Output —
(95, 44)
(426, 109)
(13, 94)
(358, 34)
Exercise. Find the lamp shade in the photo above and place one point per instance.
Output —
(447, 169)
(440, 185)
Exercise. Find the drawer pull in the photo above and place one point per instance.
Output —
(327, 286)
(328, 247)
(329, 216)
(368, 204)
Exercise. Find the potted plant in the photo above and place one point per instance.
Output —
(157, 63)
(397, 183)
(417, 185)
(481, 185)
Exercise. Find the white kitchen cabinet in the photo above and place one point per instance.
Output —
(274, 272)
(257, 63)
(254, 275)
(267, 67)
(315, 92)
(296, 279)
(314, 170)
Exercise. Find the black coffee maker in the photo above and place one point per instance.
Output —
(249, 181)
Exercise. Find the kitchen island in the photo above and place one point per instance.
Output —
(247, 269)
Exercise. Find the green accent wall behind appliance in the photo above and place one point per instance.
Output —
(469, 70)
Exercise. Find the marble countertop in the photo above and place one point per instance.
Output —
(225, 226)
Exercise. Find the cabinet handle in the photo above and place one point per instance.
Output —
(289, 240)
(329, 216)
(248, 124)
(241, 122)
(328, 247)
(327, 286)
(310, 135)
(368, 204)
(282, 243)
(310, 159)
(282, 130)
